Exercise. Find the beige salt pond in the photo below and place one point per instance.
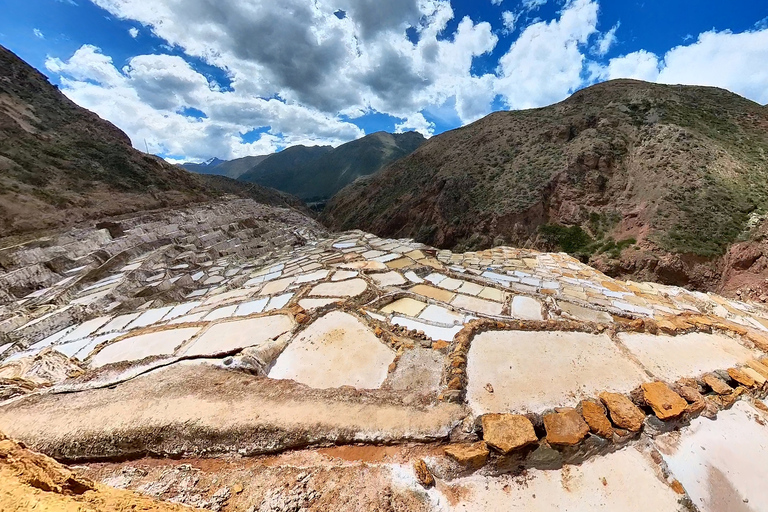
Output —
(531, 371)
(336, 350)
(226, 337)
(144, 345)
(689, 355)
(349, 288)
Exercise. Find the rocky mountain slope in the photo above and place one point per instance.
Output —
(317, 173)
(643, 180)
(61, 164)
(229, 168)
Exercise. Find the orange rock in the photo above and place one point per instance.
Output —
(378, 332)
(677, 487)
(758, 367)
(594, 415)
(455, 383)
(690, 393)
(472, 455)
(666, 404)
(507, 432)
(440, 344)
(301, 318)
(565, 428)
(741, 377)
(623, 412)
(423, 474)
(717, 384)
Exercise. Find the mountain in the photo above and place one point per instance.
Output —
(204, 167)
(61, 164)
(229, 168)
(316, 174)
(658, 182)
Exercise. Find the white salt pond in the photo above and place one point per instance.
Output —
(228, 336)
(532, 371)
(336, 350)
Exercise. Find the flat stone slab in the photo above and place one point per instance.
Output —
(532, 371)
(336, 350)
(721, 463)
(624, 481)
(143, 345)
(228, 336)
(689, 355)
(349, 288)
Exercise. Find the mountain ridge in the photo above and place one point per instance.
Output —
(318, 172)
(646, 180)
(61, 164)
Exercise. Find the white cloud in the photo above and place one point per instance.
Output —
(606, 41)
(134, 32)
(319, 66)
(545, 63)
(417, 123)
(298, 69)
(722, 59)
(532, 5)
(146, 99)
(496, 2)
(38, 33)
(509, 20)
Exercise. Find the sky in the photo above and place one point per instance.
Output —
(196, 79)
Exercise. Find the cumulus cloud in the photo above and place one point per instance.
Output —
(722, 59)
(545, 63)
(318, 64)
(509, 20)
(606, 41)
(147, 98)
(134, 32)
(299, 70)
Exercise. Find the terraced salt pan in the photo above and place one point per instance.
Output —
(689, 355)
(144, 345)
(477, 305)
(350, 288)
(623, 481)
(391, 278)
(336, 350)
(229, 336)
(441, 315)
(251, 307)
(721, 463)
(279, 302)
(526, 308)
(532, 371)
(433, 331)
(405, 306)
(149, 317)
(316, 303)
(85, 329)
(222, 312)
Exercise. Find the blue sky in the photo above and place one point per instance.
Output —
(198, 79)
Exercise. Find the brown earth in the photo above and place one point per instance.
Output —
(61, 164)
(645, 181)
(32, 481)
